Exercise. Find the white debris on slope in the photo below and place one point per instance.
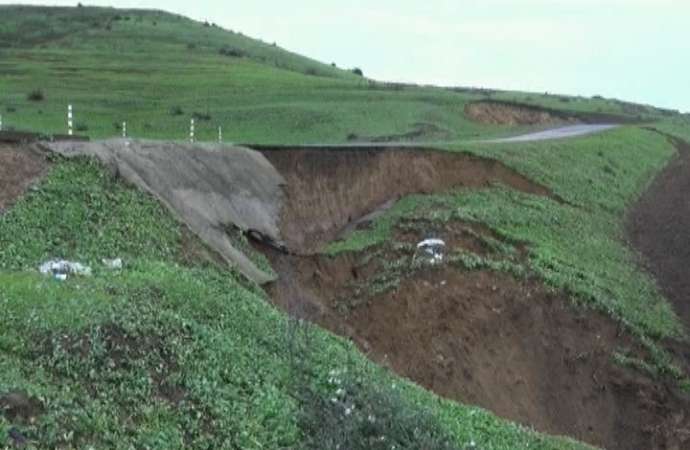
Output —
(433, 248)
(60, 269)
(112, 264)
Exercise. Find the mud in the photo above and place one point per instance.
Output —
(486, 338)
(658, 228)
(329, 190)
(20, 167)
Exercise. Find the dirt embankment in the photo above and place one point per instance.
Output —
(20, 167)
(513, 114)
(478, 336)
(329, 189)
(658, 228)
(486, 338)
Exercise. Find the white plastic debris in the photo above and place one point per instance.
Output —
(112, 264)
(60, 269)
(433, 249)
(431, 243)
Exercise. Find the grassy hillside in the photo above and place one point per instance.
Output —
(175, 352)
(156, 70)
(172, 352)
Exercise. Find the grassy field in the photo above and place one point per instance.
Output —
(156, 70)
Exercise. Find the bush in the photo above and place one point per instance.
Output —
(81, 127)
(232, 52)
(191, 46)
(36, 95)
(205, 117)
(11, 109)
(358, 71)
(176, 110)
(311, 72)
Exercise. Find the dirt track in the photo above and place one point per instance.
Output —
(659, 228)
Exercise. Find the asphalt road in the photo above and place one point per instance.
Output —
(570, 131)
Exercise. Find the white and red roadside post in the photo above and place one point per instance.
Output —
(220, 135)
(191, 130)
(124, 129)
(70, 123)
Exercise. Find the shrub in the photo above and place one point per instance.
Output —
(232, 52)
(81, 127)
(201, 116)
(311, 72)
(191, 46)
(176, 110)
(36, 95)
(358, 71)
(11, 109)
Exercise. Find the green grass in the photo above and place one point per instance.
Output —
(577, 246)
(140, 70)
(164, 355)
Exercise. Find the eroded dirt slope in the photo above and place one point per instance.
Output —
(487, 338)
(20, 166)
(475, 335)
(659, 228)
(503, 113)
(328, 189)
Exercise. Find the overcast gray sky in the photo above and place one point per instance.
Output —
(636, 50)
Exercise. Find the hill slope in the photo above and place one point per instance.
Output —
(156, 70)
(538, 311)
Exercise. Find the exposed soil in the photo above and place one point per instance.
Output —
(20, 407)
(659, 228)
(495, 112)
(328, 190)
(485, 338)
(421, 131)
(20, 167)
(500, 113)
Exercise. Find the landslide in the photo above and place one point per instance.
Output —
(473, 334)
(488, 338)
(327, 190)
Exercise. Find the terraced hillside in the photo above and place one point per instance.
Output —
(540, 327)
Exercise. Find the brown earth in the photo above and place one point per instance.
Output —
(659, 228)
(483, 337)
(20, 167)
(503, 113)
(328, 190)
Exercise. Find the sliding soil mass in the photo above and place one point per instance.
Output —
(478, 336)
(328, 190)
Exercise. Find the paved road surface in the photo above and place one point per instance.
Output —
(557, 133)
